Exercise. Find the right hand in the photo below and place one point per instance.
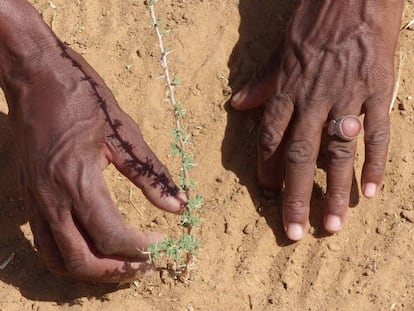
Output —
(69, 127)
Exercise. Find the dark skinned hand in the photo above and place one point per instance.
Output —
(338, 60)
(68, 128)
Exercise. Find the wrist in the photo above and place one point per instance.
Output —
(27, 45)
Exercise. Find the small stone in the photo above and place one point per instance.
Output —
(227, 228)
(401, 106)
(334, 247)
(408, 215)
(312, 230)
(249, 228)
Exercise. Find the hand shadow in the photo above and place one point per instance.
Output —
(26, 271)
(262, 30)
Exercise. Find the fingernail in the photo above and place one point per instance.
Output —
(370, 189)
(333, 223)
(181, 196)
(295, 232)
(240, 97)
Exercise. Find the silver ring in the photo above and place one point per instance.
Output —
(335, 128)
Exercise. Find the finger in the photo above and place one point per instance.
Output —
(302, 151)
(261, 87)
(46, 245)
(340, 166)
(82, 262)
(377, 135)
(271, 132)
(102, 221)
(133, 158)
(43, 238)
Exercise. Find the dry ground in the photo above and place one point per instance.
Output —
(217, 44)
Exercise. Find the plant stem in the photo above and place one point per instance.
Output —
(171, 91)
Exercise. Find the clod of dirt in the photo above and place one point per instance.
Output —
(260, 222)
(312, 230)
(166, 277)
(227, 228)
(408, 215)
(401, 106)
(168, 280)
(407, 207)
(334, 247)
(160, 220)
(382, 229)
(249, 228)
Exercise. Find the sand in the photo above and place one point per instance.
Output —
(216, 47)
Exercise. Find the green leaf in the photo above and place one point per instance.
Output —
(179, 110)
(188, 162)
(165, 32)
(195, 203)
(176, 82)
(175, 150)
(189, 243)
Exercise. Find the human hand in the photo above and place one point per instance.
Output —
(337, 61)
(68, 128)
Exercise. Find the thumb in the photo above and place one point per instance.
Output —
(260, 88)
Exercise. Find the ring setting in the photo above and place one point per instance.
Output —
(336, 127)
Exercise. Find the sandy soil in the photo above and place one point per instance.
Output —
(216, 46)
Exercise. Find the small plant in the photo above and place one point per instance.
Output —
(179, 254)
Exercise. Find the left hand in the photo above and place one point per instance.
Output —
(337, 61)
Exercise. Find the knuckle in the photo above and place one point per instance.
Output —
(339, 196)
(340, 152)
(378, 138)
(77, 265)
(295, 208)
(110, 242)
(268, 140)
(300, 152)
(375, 168)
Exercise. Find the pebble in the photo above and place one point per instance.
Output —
(409, 215)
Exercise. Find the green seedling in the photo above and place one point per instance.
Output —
(179, 253)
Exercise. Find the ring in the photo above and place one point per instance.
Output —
(335, 127)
